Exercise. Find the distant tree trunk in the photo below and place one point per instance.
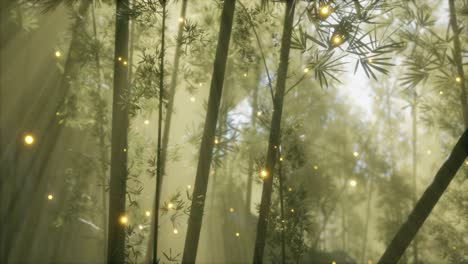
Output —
(169, 110)
(368, 213)
(250, 169)
(274, 138)
(426, 203)
(157, 190)
(100, 125)
(457, 57)
(415, 165)
(206, 149)
(46, 143)
(280, 180)
(118, 170)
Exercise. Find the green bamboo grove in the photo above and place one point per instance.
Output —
(233, 131)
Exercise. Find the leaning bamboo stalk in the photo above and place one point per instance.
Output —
(207, 144)
(426, 203)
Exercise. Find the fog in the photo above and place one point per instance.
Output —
(233, 131)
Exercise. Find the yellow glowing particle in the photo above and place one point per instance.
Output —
(124, 150)
(58, 54)
(146, 122)
(231, 210)
(192, 99)
(175, 231)
(353, 183)
(333, 262)
(170, 205)
(140, 227)
(466, 162)
(216, 141)
(259, 113)
(337, 39)
(147, 213)
(324, 11)
(441, 92)
(289, 189)
(50, 197)
(292, 210)
(189, 187)
(237, 234)
(125, 63)
(200, 84)
(123, 220)
(306, 70)
(369, 261)
(28, 139)
(181, 19)
(245, 74)
(315, 167)
(355, 153)
(119, 58)
(263, 174)
(458, 79)
(281, 158)
(370, 60)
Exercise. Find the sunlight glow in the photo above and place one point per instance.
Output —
(50, 197)
(58, 54)
(263, 174)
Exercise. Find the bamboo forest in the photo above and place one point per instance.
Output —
(233, 131)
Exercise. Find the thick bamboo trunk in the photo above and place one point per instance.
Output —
(426, 203)
(274, 138)
(206, 148)
(118, 170)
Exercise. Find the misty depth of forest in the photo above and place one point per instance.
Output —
(233, 131)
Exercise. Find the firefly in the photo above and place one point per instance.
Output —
(337, 39)
(28, 139)
(123, 220)
(324, 11)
